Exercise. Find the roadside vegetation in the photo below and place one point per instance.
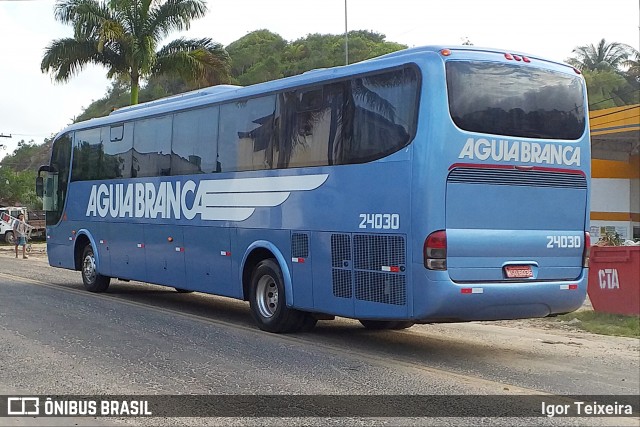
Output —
(602, 323)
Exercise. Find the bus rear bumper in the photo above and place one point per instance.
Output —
(438, 299)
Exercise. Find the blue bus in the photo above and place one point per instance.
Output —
(434, 184)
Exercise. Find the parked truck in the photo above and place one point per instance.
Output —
(35, 220)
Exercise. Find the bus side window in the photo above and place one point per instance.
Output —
(152, 147)
(309, 126)
(88, 156)
(194, 144)
(382, 110)
(246, 134)
(118, 147)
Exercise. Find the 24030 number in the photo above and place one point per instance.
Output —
(380, 221)
(563, 242)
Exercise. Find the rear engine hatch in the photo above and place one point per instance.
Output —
(508, 224)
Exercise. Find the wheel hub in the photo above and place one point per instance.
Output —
(89, 269)
(267, 296)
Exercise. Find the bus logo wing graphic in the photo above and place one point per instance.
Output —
(237, 199)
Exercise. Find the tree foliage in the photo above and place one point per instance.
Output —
(18, 174)
(124, 35)
(611, 73)
(603, 88)
(257, 57)
(601, 57)
(262, 55)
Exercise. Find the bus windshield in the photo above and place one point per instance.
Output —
(512, 100)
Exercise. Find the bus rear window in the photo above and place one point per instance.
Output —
(515, 100)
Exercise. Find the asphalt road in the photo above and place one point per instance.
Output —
(56, 338)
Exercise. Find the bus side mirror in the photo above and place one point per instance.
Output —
(39, 186)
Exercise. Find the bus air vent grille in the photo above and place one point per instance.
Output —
(340, 250)
(299, 245)
(372, 252)
(342, 286)
(372, 255)
(528, 178)
(341, 262)
(387, 288)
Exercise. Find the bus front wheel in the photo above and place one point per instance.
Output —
(93, 281)
(268, 303)
(386, 324)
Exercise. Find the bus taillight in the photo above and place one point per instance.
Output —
(587, 249)
(435, 251)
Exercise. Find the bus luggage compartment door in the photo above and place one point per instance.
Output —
(497, 220)
(164, 251)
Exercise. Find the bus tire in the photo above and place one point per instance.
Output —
(308, 322)
(403, 325)
(385, 324)
(8, 237)
(93, 281)
(268, 302)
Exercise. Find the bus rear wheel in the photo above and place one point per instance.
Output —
(93, 281)
(386, 324)
(268, 303)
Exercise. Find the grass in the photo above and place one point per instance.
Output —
(603, 323)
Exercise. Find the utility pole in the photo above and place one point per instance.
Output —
(346, 36)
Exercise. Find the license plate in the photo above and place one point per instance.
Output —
(518, 271)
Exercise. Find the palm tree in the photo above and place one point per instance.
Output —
(604, 57)
(633, 64)
(123, 36)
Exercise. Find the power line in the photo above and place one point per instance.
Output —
(613, 97)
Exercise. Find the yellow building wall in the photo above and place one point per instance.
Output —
(615, 197)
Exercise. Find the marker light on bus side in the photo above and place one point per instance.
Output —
(435, 251)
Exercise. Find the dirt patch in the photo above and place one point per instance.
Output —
(38, 251)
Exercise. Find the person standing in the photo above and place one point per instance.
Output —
(20, 230)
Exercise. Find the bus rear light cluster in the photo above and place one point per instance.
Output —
(435, 251)
(511, 57)
(587, 249)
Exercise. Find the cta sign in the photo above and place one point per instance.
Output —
(608, 278)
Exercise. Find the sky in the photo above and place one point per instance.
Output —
(33, 106)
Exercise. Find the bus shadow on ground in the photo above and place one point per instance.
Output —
(414, 345)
